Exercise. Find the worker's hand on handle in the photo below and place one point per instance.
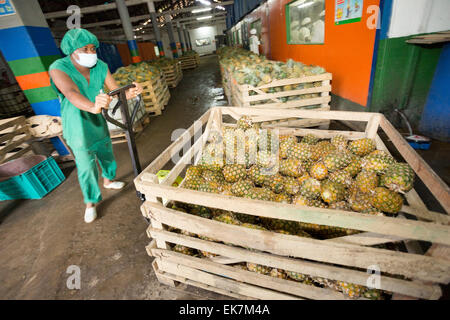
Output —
(101, 102)
(134, 92)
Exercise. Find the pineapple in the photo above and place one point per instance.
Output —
(257, 174)
(266, 159)
(226, 189)
(377, 161)
(285, 145)
(361, 202)
(193, 183)
(341, 205)
(258, 268)
(340, 142)
(213, 176)
(362, 147)
(291, 185)
(260, 194)
(247, 219)
(351, 290)
(332, 192)
(387, 200)
(299, 277)
(210, 187)
(367, 181)
(321, 150)
(276, 183)
(291, 167)
(318, 171)
(193, 172)
(278, 273)
(184, 250)
(303, 177)
(242, 187)
(300, 151)
(253, 226)
(310, 188)
(227, 218)
(342, 177)
(283, 198)
(234, 172)
(398, 177)
(337, 160)
(354, 167)
(245, 123)
(310, 139)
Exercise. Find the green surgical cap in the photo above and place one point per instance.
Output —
(77, 38)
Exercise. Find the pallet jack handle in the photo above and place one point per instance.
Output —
(127, 126)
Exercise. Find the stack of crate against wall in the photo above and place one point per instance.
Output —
(189, 60)
(253, 81)
(155, 94)
(308, 217)
(171, 68)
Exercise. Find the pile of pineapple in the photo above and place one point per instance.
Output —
(163, 62)
(140, 72)
(249, 68)
(245, 161)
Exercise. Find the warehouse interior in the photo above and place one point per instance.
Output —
(341, 83)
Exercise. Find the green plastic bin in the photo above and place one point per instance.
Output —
(29, 178)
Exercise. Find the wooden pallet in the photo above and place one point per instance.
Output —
(173, 75)
(14, 138)
(189, 62)
(410, 274)
(156, 95)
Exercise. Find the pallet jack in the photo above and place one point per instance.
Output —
(127, 126)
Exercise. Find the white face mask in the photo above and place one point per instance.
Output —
(87, 60)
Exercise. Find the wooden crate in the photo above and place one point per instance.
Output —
(173, 74)
(189, 62)
(226, 82)
(321, 85)
(14, 138)
(405, 274)
(156, 95)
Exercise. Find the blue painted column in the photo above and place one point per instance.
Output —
(435, 121)
(29, 48)
(173, 44)
(156, 31)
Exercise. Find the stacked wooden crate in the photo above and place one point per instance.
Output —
(347, 258)
(156, 95)
(226, 82)
(189, 61)
(14, 139)
(311, 92)
(173, 74)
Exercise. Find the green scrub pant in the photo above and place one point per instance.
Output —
(86, 161)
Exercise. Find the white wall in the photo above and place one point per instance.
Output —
(206, 32)
(411, 17)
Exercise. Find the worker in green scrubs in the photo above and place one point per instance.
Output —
(79, 79)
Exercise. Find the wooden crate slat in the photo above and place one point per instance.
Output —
(408, 265)
(220, 282)
(286, 286)
(411, 229)
(301, 266)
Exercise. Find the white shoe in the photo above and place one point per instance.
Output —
(90, 215)
(117, 185)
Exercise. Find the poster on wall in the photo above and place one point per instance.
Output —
(305, 22)
(348, 11)
(203, 42)
(6, 8)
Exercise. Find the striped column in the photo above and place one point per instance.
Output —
(29, 51)
(134, 51)
(156, 31)
(173, 44)
(180, 37)
(128, 29)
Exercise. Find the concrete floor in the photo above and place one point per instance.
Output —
(40, 239)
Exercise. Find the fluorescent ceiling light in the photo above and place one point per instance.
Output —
(201, 10)
(220, 8)
(205, 2)
(204, 18)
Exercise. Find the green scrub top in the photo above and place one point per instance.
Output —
(82, 129)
